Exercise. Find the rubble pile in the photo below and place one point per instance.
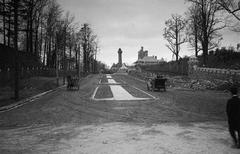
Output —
(199, 84)
(188, 83)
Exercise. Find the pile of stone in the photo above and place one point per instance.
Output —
(188, 83)
(200, 84)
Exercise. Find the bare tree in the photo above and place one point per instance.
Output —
(233, 9)
(96, 49)
(173, 33)
(59, 45)
(193, 31)
(53, 15)
(209, 25)
(68, 20)
(87, 37)
(231, 6)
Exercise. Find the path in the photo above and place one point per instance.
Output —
(119, 93)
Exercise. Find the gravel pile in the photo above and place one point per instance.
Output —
(200, 84)
(185, 82)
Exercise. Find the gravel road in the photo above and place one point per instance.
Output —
(177, 121)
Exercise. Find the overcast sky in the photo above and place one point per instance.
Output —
(130, 24)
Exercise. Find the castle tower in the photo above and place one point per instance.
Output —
(142, 53)
(119, 57)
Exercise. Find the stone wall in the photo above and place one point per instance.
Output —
(211, 73)
(214, 73)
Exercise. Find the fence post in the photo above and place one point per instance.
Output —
(192, 64)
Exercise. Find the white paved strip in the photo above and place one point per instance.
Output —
(119, 93)
(112, 99)
(111, 81)
(140, 90)
(108, 76)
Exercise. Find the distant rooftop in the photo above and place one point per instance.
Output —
(149, 59)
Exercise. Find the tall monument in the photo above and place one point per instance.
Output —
(119, 57)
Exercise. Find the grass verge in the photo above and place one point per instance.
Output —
(28, 87)
(135, 92)
(104, 91)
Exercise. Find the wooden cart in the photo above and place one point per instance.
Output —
(156, 84)
(72, 83)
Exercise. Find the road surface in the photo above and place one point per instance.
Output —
(74, 122)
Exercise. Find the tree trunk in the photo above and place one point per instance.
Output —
(41, 39)
(27, 36)
(205, 33)
(9, 30)
(16, 76)
(70, 56)
(64, 57)
(56, 63)
(177, 45)
(76, 57)
(4, 20)
(36, 41)
(31, 33)
(84, 58)
(196, 41)
(49, 52)
(44, 52)
(79, 66)
(205, 52)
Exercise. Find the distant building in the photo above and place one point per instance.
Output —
(123, 69)
(142, 53)
(238, 47)
(149, 60)
(144, 59)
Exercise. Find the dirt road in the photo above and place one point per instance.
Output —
(176, 121)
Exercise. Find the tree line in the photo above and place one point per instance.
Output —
(42, 29)
(200, 26)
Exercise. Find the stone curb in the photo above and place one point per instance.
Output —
(27, 100)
